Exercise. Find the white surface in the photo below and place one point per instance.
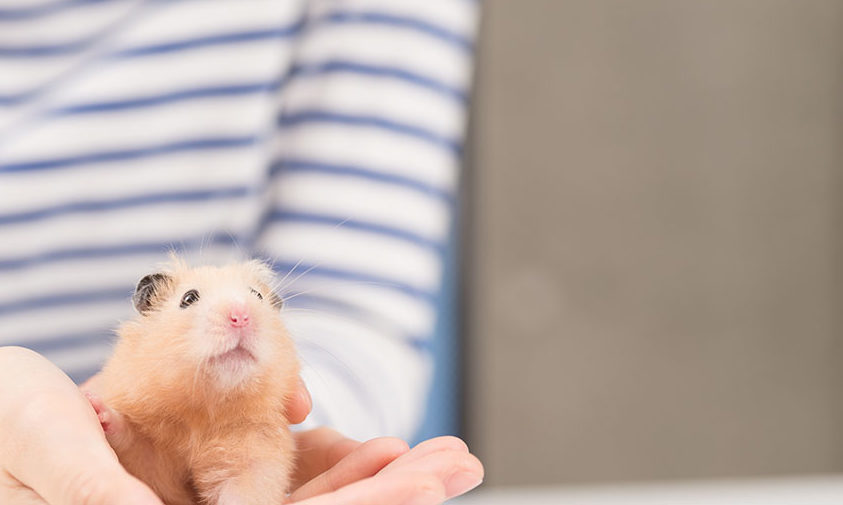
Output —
(820, 490)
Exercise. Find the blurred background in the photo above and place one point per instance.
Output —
(653, 235)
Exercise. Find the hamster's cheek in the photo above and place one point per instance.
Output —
(271, 339)
(262, 347)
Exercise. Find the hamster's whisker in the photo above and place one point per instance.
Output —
(299, 293)
(240, 251)
(299, 276)
(341, 223)
(204, 242)
(344, 282)
(280, 282)
(280, 285)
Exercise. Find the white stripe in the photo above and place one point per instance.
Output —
(366, 95)
(351, 198)
(390, 46)
(128, 226)
(357, 251)
(50, 279)
(91, 274)
(260, 61)
(22, 75)
(255, 61)
(91, 133)
(454, 15)
(33, 325)
(174, 21)
(116, 180)
(371, 148)
(392, 310)
(65, 26)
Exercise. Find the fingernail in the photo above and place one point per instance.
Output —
(462, 482)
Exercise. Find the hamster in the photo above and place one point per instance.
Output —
(195, 389)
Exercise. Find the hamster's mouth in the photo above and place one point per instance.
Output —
(238, 354)
(233, 368)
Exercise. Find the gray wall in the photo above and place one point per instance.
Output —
(655, 257)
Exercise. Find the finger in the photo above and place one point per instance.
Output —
(458, 470)
(13, 492)
(20, 496)
(318, 450)
(52, 441)
(364, 461)
(446, 443)
(299, 404)
(403, 488)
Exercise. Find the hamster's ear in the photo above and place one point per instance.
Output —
(149, 291)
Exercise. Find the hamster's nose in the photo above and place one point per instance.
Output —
(238, 316)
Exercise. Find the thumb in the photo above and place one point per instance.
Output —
(104, 486)
(62, 454)
(52, 442)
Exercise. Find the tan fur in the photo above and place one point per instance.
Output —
(195, 430)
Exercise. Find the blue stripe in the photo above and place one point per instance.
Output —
(260, 87)
(110, 251)
(234, 192)
(418, 25)
(166, 98)
(9, 100)
(283, 268)
(61, 342)
(79, 45)
(210, 40)
(287, 216)
(340, 66)
(248, 36)
(76, 46)
(46, 49)
(320, 116)
(335, 18)
(79, 376)
(131, 154)
(64, 299)
(285, 165)
(339, 307)
(45, 9)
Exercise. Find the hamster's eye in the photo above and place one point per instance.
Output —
(189, 298)
(256, 293)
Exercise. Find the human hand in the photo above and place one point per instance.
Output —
(53, 452)
(52, 449)
(334, 470)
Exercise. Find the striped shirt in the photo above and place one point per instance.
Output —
(322, 135)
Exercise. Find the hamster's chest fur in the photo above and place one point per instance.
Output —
(186, 464)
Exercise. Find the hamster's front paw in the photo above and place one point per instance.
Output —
(111, 421)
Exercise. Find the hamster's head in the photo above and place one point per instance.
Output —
(220, 326)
